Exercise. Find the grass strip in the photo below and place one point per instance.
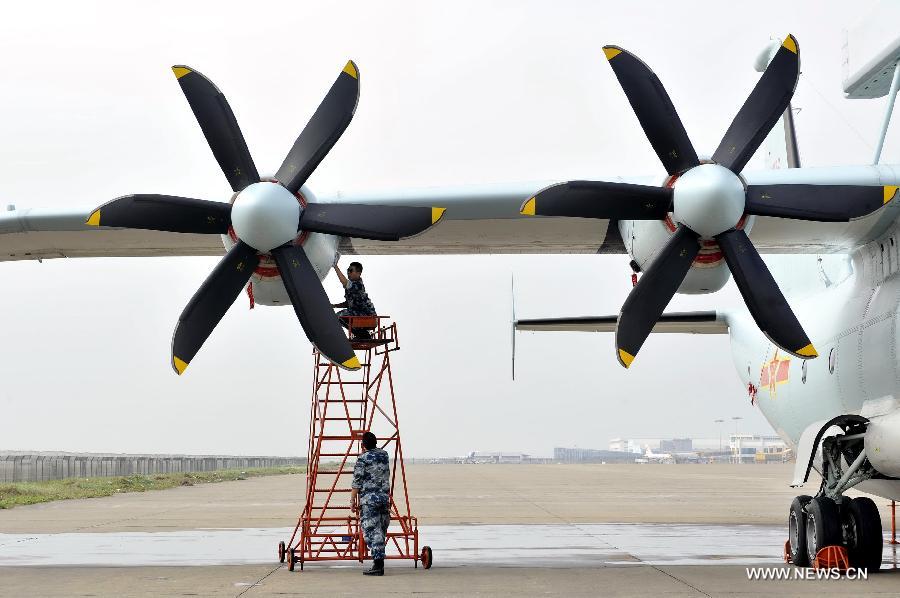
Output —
(29, 493)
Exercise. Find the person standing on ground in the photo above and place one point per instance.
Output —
(370, 494)
(356, 300)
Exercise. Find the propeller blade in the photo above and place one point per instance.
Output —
(322, 131)
(380, 223)
(767, 305)
(312, 306)
(595, 199)
(164, 212)
(820, 203)
(219, 127)
(654, 109)
(210, 302)
(765, 105)
(653, 292)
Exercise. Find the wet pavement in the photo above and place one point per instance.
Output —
(548, 545)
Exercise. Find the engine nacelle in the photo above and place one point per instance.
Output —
(882, 442)
(644, 239)
(320, 248)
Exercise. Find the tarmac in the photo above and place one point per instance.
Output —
(496, 530)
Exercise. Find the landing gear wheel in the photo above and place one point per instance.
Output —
(281, 551)
(864, 540)
(426, 557)
(292, 558)
(823, 526)
(797, 531)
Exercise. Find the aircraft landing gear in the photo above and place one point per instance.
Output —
(823, 526)
(863, 533)
(796, 548)
(832, 519)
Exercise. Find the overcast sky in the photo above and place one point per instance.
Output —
(451, 93)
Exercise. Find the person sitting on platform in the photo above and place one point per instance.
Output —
(356, 300)
(371, 494)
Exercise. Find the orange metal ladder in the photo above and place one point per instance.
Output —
(345, 405)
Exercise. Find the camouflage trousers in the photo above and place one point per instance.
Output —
(374, 522)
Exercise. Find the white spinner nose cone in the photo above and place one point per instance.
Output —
(265, 216)
(709, 199)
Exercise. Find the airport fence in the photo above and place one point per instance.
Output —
(37, 467)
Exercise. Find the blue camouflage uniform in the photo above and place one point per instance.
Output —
(358, 302)
(371, 475)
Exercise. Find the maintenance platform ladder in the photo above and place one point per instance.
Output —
(344, 405)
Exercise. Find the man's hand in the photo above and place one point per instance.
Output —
(354, 499)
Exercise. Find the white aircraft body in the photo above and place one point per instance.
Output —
(651, 457)
(838, 411)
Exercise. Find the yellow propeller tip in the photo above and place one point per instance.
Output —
(625, 358)
(611, 52)
(350, 69)
(352, 363)
(179, 365)
(180, 71)
(808, 351)
(93, 219)
(790, 42)
(528, 207)
(889, 191)
(437, 214)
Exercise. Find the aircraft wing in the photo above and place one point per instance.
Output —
(697, 322)
(485, 219)
(34, 234)
(479, 219)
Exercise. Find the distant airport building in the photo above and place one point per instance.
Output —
(758, 448)
(677, 445)
(497, 457)
(586, 455)
(625, 445)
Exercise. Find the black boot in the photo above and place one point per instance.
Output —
(377, 568)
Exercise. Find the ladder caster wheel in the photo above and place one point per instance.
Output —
(426, 557)
(281, 552)
(292, 558)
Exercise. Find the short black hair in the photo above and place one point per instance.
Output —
(355, 266)
(369, 441)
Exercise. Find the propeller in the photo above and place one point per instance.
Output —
(266, 216)
(707, 201)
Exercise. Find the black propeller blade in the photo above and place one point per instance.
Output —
(765, 105)
(322, 131)
(821, 203)
(362, 221)
(654, 110)
(653, 292)
(590, 199)
(764, 300)
(615, 201)
(312, 306)
(164, 212)
(186, 215)
(210, 302)
(219, 127)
